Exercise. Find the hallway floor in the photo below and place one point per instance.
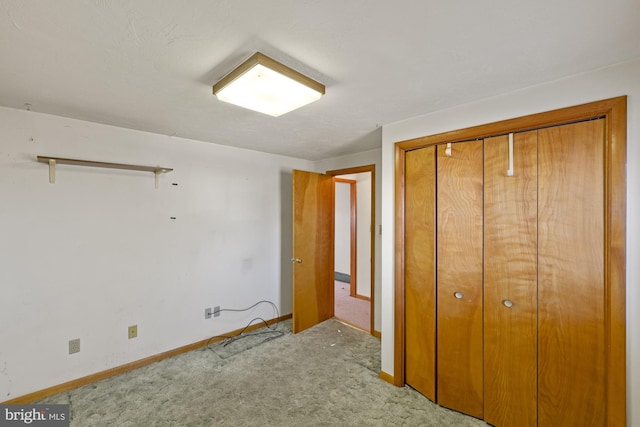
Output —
(351, 310)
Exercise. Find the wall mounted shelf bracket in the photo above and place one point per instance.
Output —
(52, 161)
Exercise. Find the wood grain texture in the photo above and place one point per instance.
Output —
(615, 262)
(420, 271)
(387, 377)
(313, 286)
(459, 269)
(534, 121)
(615, 112)
(398, 274)
(571, 313)
(510, 273)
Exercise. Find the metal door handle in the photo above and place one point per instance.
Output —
(508, 303)
(458, 295)
(298, 260)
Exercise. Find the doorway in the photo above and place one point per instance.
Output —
(354, 219)
(313, 247)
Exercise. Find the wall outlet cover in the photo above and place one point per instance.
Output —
(133, 331)
(74, 346)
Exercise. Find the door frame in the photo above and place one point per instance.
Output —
(614, 111)
(372, 169)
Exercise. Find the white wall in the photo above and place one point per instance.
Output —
(97, 251)
(371, 157)
(363, 233)
(342, 208)
(621, 79)
(342, 226)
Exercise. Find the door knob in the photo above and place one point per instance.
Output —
(458, 295)
(298, 260)
(508, 303)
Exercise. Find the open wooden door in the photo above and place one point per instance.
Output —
(313, 286)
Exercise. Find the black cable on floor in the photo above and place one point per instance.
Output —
(229, 339)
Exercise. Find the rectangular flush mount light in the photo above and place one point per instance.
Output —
(265, 85)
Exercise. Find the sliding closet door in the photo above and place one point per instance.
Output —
(459, 276)
(571, 309)
(510, 281)
(420, 286)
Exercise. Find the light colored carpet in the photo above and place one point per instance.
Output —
(354, 311)
(324, 376)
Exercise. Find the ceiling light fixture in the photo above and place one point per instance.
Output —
(267, 86)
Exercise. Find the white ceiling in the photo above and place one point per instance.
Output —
(150, 64)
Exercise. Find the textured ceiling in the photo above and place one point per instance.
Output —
(150, 64)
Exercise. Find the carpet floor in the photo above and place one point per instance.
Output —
(324, 376)
(354, 311)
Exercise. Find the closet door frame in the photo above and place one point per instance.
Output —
(614, 111)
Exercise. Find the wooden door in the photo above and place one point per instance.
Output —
(581, 223)
(510, 281)
(459, 277)
(571, 308)
(313, 288)
(420, 270)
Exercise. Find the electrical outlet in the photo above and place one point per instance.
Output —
(133, 331)
(216, 311)
(74, 346)
(207, 313)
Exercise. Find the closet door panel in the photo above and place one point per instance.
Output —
(420, 291)
(510, 281)
(459, 277)
(571, 309)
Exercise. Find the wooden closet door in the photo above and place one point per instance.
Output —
(510, 281)
(459, 277)
(420, 274)
(571, 307)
